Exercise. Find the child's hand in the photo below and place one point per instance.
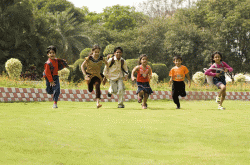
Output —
(189, 84)
(217, 75)
(125, 77)
(226, 70)
(150, 76)
(133, 78)
(87, 78)
(52, 84)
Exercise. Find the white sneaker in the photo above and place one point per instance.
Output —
(55, 106)
(217, 100)
(220, 107)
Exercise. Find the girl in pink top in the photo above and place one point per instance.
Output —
(218, 70)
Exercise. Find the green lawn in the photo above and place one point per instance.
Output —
(78, 133)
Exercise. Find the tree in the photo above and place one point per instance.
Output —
(71, 38)
(119, 17)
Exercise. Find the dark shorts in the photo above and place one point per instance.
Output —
(219, 80)
(178, 89)
(144, 86)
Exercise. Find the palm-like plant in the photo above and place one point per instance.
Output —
(71, 35)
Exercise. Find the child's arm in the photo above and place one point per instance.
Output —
(106, 68)
(86, 77)
(189, 80)
(48, 75)
(133, 71)
(149, 72)
(227, 68)
(125, 67)
(210, 73)
(170, 81)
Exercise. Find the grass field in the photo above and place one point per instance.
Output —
(78, 133)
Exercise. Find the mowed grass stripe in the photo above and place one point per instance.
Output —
(78, 133)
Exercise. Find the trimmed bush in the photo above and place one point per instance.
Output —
(199, 77)
(161, 70)
(13, 67)
(239, 78)
(76, 74)
(154, 79)
(85, 52)
(64, 74)
(109, 49)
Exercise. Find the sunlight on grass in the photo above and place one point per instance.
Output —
(78, 133)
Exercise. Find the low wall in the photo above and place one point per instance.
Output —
(33, 94)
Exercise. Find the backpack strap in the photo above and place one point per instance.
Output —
(112, 62)
(122, 63)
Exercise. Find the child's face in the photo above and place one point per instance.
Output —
(178, 62)
(96, 52)
(144, 60)
(52, 54)
(118, 53)
(217, 58)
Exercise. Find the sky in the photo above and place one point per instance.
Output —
(98, 5)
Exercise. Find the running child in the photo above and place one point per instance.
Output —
(144, 74)
(92, 74)
(218, 70)
(51, 68)
(178, 74)
(118, 71)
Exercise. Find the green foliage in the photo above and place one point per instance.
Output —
(109, 49)
(85, 52)
(131, 63)
(150, 40)
(161, 70)
(119, 17)
(76, 74)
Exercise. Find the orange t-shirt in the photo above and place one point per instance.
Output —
(178, 74)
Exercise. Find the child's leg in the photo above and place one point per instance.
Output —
(120, 91)
(140, 96)
(223, 93)
(97, 84)
(175, 93)
(56, 89)
(145, 98)
(176, 100)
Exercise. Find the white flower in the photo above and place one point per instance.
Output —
(14, 67)
(199, 77)
(239, 78)
(64, 73)
(154, 78)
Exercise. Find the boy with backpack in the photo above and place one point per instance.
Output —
(118, 71)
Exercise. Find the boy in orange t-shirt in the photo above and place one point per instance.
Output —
(178, 74)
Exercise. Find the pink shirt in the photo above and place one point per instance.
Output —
(212, 72)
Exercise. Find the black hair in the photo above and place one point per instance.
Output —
(94, 48)
(212, 57)
(51, 47)
(116, 48)
(177, 57)
(141, 56)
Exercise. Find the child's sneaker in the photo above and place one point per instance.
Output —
(121, 106)
(55, 106)
(220, 107)
(217, 100)
(109, 94)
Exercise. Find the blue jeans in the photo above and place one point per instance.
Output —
(55, 90)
